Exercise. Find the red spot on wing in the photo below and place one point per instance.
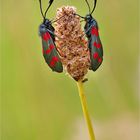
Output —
(95, 55)
(51, 47)
(54, 60)
(48, 51)
(94, 31)
(46, 36)
(100, 60)
(97, 45)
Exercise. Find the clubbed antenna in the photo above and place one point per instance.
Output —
(95, 2)
(50, 3)
(90, 12)
(88, 6)
(40, 2)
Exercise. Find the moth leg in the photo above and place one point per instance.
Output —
(86, 31)
(54, 34)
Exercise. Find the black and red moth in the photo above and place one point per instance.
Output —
(46, 31)
(94, 42)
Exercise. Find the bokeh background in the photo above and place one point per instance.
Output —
(37, 104)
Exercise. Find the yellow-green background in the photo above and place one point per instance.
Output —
(37, 104)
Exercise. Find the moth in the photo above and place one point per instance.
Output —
(94, 43)
(46, 31)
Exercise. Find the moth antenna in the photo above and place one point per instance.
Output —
(95, 2)
(79, 16)
(50, 3)
(88, 6)
(88, 9)
(40, 3)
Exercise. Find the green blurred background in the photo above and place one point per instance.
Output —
(37, 104)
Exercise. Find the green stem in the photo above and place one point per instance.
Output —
(85, 111)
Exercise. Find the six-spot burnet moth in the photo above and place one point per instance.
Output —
(94, 42)
(46, 31)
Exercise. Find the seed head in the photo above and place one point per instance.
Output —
(72, 45)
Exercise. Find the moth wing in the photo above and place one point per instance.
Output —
(96, 49)
(50, 53)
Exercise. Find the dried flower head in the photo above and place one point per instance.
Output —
(71, 45)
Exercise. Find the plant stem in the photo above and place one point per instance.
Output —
(85, 111)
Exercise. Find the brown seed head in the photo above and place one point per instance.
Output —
(71, 45)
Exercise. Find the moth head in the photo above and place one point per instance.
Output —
(46, 22)
(88, 18)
